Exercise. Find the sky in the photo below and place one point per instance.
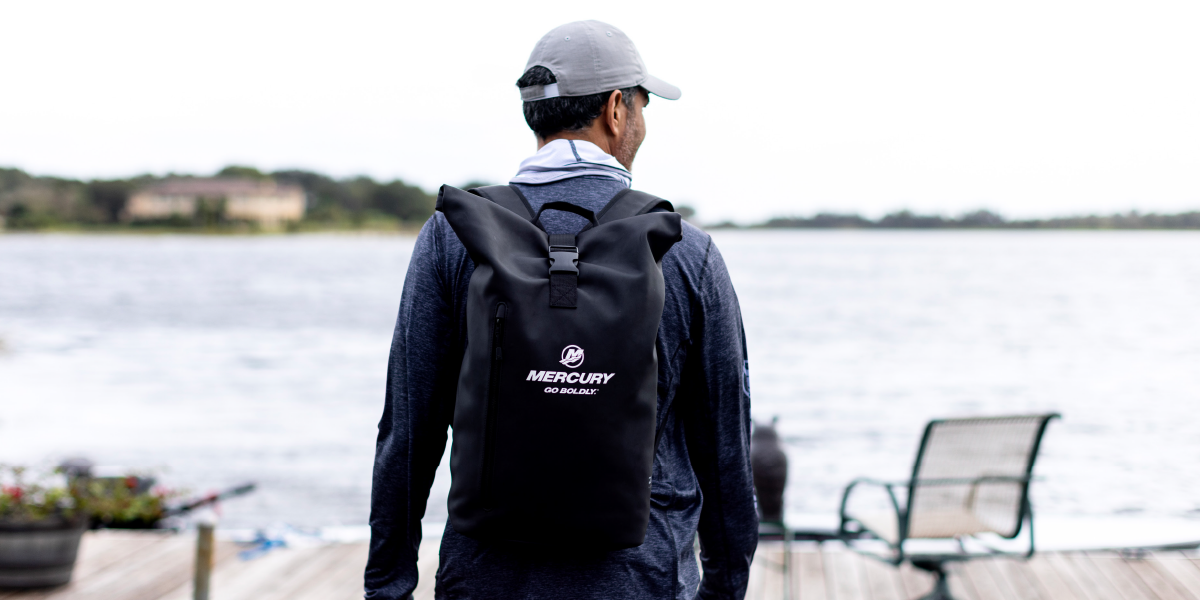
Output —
(1028, 108)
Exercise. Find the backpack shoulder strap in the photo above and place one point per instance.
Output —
(629, 203)
(507, 196)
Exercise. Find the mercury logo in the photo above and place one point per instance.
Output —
(572, 356)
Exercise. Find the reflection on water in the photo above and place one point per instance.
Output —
(222, 359)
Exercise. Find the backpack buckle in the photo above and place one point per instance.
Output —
(563, 259)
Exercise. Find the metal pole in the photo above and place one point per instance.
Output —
(787, 563)
(204, 561)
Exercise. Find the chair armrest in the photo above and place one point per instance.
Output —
(890, 486)
(973, 480)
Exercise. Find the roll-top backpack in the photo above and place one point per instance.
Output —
(555, 412)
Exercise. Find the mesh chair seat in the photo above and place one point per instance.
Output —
(933, 525)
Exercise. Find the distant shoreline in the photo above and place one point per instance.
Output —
(982, 219)
(126, 231)
(407, 230)
(361, 204)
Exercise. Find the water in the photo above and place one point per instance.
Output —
(215, 360)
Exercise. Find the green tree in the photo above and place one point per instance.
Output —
(242, 172)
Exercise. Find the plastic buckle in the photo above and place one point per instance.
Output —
(563, 259)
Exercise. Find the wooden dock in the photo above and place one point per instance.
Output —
(117, 565)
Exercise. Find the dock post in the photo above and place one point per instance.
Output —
(204, 561)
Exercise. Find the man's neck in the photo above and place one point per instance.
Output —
(593, 134)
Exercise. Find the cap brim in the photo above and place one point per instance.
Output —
(661, 88)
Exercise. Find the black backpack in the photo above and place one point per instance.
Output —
(554, 418)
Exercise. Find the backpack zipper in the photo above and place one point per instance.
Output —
(493, 393)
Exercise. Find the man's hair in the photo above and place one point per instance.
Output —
(564, 113)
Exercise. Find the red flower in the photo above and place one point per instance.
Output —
(14, 492)
(131, 482)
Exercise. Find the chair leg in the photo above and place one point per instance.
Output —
(941, 587)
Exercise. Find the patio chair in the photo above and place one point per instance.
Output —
(971, 476)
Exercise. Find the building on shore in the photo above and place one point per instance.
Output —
(260, 201)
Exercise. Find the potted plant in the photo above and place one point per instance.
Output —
(130, 502)
(41, 522)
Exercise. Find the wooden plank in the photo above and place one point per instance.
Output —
(326, 559)
(917, 583)
(226, 564)
(1088, 577)
(882, 580)
(167, 563)
(980, 578)
(226, 554)
(238, 579)
(153, 566)
(122, 577)
(960, 584)
(1051, 581)
(427, 566)
(771, 556)
(276, 567)
(357, 592)
(754, 584)
(810, 575)
(1185, 572)
(342, 578)
(843, 576)
(1161, 584)
(1121, 577)
(352, 582)
(98, 550)
(1015, 573)
(102, 549)
(323, 565)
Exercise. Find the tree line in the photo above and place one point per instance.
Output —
(32, 202)
(980, 219)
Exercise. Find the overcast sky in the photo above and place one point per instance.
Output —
(1025, 107)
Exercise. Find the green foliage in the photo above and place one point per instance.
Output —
(359, 199)
(50, 499)
(120, 502)
(36, 202)
(29, 202)
(409, 203)
(110, 197)
(242, 172)
(43, 499)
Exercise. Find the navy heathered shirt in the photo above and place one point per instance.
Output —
(701, 483)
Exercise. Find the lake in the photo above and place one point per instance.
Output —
(211, 360)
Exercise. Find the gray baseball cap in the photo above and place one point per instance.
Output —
(590, 57)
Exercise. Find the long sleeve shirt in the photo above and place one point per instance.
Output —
(701, 480)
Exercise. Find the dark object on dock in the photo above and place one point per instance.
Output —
(970, 476)
(213, 498)
(769, 463)
(39, 555)
(76, 467)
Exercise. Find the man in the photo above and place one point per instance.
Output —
(584, 90)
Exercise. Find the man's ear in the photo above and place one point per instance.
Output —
(613, 119)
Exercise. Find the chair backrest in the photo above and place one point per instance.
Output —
(972, 476)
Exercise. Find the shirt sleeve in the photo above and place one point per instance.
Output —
(418, 403)
(717, 426)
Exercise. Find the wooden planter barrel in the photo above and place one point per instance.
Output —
(38, 555)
